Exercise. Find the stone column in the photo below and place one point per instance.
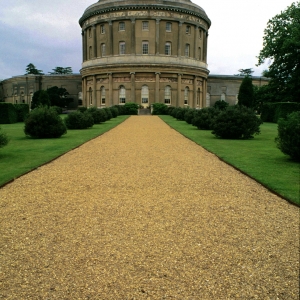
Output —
(195, 93)
(133, 36)
(157, 36)
(196, 39)
(83, 33)
(204, 91)
(110, 89)
(84, 92)
(94, 41)
(94, 91)
(157, 87)
(205, 40)
(179, 90)
(111, 36)
(132, 86)
(179, 39)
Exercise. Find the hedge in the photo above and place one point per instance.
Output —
(271, 112)
(8, 113)
(22, 110)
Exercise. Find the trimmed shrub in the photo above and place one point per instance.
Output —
(236, 122)
(189, 115)
(288, 139)
(108, 113)
(271, 112)
(178, 113)
(204, 118)
(82, 109)
(221, 105)
(3, 139)
(79, 120)
(121, 109)
(98, 115)
(44, 122)
(170, 109)
(22, 110)
(58, 109)
(159, 109)
(114, 112)
(131, 108)
(8, 113)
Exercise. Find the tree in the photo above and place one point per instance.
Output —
(3, 139)
(281, 45)
(58, 96)
(245, 72)
(246, 93)
(40, 98)
(31, 69)
(61, 70)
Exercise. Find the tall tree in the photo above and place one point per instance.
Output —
(61, 70)
(31, 69)
(281, 45)
(245, 72)
(59, 96)
(246, 92)
(40, 98)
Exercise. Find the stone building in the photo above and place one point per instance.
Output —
(144, 52)
(138, 51)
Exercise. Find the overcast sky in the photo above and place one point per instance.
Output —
(47, 34)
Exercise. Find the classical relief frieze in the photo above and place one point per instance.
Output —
(121, 79)
(164, 79)
(145, 79)
(102, 80)
(187, 81)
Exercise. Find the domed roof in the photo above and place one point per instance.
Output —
(181, 6)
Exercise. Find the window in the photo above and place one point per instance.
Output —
(186, 96)
(90, 32)
(145, 25)
(102, 95)
(168, 27)
(122, 48)
(187, 50)
(145, 94)
(200, 34)
(122, 94)
(167, 94)
(145, 47)
(199, 53)
(102, 29)
(168, 48)
(103, 50)
(188, 29)
(90, 52)
(121, 26)
(91, 96)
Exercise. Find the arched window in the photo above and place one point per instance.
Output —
(145, 94)
(102, 91)
(91, 96)
(167, 94)
(186, 96)
(103, 50)
(168, 48)
(122, 94)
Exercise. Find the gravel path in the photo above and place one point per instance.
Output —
(143, 213)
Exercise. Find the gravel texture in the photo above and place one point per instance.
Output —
(141, 212)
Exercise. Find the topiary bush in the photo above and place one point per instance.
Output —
(179, 113)
(98, 115)
(58, 109)
(114, 112)
(131, 108)
(288, 139)
(121, 109)
(44, 122)
(189, 115)
(108, 113)
(170, 109)
(236, 122)
(79, 120)
(3, 139)
(8, 113)
(82, 109)
(159, 109)
(221, 105)
(205, 117)
(22, 110)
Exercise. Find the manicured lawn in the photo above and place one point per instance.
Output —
(258, 157)
(23, 154)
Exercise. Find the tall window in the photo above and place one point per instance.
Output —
(145, 47)
(200, 34)
(121, 26)
(122, 94)
(145, 94)
(145, 25)
(187, 50)
(91, 96)
(167, 94)
(168, 48)
(90, 52)
(102, 29)
(102, 95)
(103, 50)
(199, 53)
(90, 32)
(168, 26)
(188, 29)
(122, 48)
(186, 96)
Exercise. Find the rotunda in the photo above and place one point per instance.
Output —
(146, 52)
